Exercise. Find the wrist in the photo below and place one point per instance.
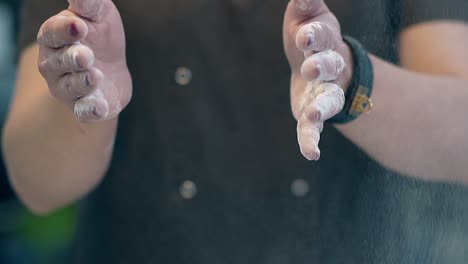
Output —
(359, 87)
(348, 71)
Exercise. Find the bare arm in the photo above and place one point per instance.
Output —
(52, 158)
(418, 126)
(59, 136)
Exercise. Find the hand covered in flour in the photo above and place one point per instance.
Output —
(321, 65)
(82, 58)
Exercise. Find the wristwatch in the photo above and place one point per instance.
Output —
(358, 96)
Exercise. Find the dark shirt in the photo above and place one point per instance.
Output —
(210, 172)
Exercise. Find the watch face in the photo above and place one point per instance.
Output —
(361, 102)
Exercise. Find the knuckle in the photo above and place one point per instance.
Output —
(45, 31)
(336, 91)
(332, 64)
(42, 30)
(304, 126)
(300, 125)
(337, 98)
(333, 89)
(330, 30)
(310, 69)
(81, 56)
(338, 61)
(43, 67)
(75, 84)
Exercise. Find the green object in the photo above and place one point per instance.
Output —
(48, 236)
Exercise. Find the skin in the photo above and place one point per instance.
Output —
(63, 117)
(321, 66)
(82, 58)
(416, 127)
(60, 124)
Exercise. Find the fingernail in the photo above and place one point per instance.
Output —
(78, 63)
(318, 71)
(310, 39)
(318, 115)
(95, 112)
(73, 30)
(313, 115)
(75, 59)
(99, 109)
(88, 83)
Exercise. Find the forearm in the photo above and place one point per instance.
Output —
(52, 158)
(417, 125)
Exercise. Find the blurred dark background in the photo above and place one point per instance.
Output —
(24, 238)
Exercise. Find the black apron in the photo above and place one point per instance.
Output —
(207, 168)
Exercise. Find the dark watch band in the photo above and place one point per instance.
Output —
(357, 97)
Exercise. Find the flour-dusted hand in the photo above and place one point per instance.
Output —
(82, 58)
(321, 66)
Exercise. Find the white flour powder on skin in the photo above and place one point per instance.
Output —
(308, 136)
(328, 64)
(327, 103)
(317, 36)
(93, 105)
(323, 98)
(102, 104)
(51, 37)
(76, 57)
(319, 102)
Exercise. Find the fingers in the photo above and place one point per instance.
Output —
(61, 30)
(89, 9)
(72, 58)
(317, 36)
(93, 107)
(329, 102)
(327, 99)
(308, 136)
(312, 32)
(323, 66)
(323, 101)
(76, 85)
(69, 66)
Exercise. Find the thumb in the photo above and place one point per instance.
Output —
(297, 13)
(89, 9)
(306, 9)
